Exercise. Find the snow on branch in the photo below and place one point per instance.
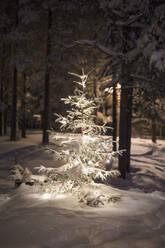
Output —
(96, 44)
(84, 156)
(130, 21)
(132, 55)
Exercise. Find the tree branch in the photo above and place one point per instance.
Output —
(143, 78)
(94, 43)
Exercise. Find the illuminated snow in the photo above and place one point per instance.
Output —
(137, 220)
(46, 196)
(59, 196)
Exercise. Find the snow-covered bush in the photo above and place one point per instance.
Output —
(83, 155)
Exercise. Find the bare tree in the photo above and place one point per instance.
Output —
(13, 134)
(46, 113)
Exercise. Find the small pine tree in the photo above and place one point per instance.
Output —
(85, 155)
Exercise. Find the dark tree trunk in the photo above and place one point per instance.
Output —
(125, 122)
(5, 113)
(1, 123)
(114, 119)
(1, 110)
(5, 119)
(125, 107)
(122, 132)
(5, 74)
(108, 124)
(13, 134)
(154, 130)
(46, 113)
(129, 126)
(23, 108)
(2, 87)
(95, 88)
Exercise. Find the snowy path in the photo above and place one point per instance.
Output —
(137, 221)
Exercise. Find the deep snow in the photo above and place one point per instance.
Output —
(136, 221)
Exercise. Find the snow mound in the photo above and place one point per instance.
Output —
(4, 198)
(128, 202)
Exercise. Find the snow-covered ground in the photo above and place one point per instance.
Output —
(29, 220)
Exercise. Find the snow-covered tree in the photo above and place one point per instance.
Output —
(84, 156)
(81, 116)
(132, 38)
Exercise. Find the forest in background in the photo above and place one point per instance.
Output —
(120, 42)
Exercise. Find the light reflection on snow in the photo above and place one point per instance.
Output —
(59, 196)
(50, 196)
(46, 196)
